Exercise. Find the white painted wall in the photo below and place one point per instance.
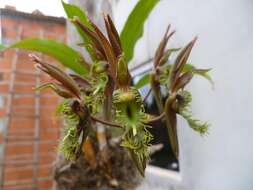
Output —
(224, 159)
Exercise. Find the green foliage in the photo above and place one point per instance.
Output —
(144, 80)
(70, 144)
(184, 110)
(95, 99)
(133, 28)
(61, 52)
(73, 11)
(2, 47)
(201, 72)
(165, 72)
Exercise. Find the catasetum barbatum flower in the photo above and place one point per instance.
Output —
(105, 94)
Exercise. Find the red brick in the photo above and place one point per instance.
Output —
(18, 184)
(23, 100)
(17, 174)
(21, 123)
(47, 134)
(8, 22)
(14, 150)
(49, 100)
(48, 147)
(6, 76)
(19, 150)
(50, 123)
(4, 87)
(24, 89)
(25, 78)
(18, 109)
(9, 32)
(45, 184)
(1, 137)
(5, 64)
(18, 157)
(45, 171)
(2, 112)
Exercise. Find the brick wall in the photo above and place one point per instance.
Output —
(30, 149)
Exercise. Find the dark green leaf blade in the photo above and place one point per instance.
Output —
(73, 11)
(201, 72)
(61, 52)
(133, 28)
(145, 79)
(2, 47)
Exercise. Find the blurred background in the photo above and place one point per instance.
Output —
(223, 160)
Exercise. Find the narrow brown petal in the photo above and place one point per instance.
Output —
(92, 35)
(161, 48)
(164, 59)
(114, 30)
(83, 83)
(111, 58)
(182, 81)
(180, 62)
(58, 75)
(113, 35)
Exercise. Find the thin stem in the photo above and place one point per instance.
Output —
(141, 64)
(161, 116)
(155, 86)
(106, 122)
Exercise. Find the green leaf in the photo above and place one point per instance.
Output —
(133, 28)
(74, 11)
(61, 52)
(145, 79)
(2, 47)
(201, 72)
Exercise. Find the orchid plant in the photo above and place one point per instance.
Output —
(99, 95)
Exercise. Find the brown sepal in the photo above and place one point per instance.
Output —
(180, 62)
(113, 35)
(161, 48)
(183, 80)
(58, 75)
